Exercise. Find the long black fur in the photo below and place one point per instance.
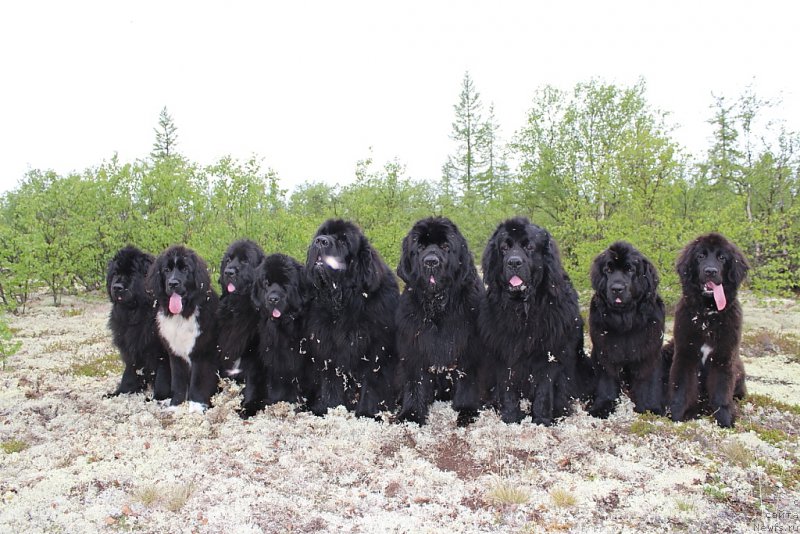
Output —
(707, 383)
(350, 327)
(626, 325)
(278, 297)
(534, 330)
(194, 374)
(133, 325)
(437, 337)
(237, 318)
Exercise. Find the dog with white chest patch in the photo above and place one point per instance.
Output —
(187, 324)
(707, 373)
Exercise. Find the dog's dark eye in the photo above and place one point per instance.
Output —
(608, 269)
(245, 261)
(629, 268)
(184, 268)
(722, 258)
(530, 246)
(445, 247)
(503, 247)
(701, 255)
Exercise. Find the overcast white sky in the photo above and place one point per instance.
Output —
(310, 86)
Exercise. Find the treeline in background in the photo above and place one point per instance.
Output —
(593, 165)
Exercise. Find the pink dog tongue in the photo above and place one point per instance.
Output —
(432, 280)
(175, 303)
(276, 313)
(231, 288)
(719, 295)
(515, 281)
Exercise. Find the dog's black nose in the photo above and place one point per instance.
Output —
(172, 283)
(117, 287)
(711, 271)
(230, 271)
(322, 241)
(431, 261)
(514, 261)
(617, 288)
(273, 299)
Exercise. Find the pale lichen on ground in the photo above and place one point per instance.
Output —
(75, 462)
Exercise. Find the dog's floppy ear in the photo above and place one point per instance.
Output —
(490, 261)
(554, 274)
(143, 264)
(256, 292)
(407, 266)
(649, 276)
(152, 282)
(596, 274)
(202, 280)
(738, 266)
(685, 265)
(467, 272)
(368, 265)
(221, 280)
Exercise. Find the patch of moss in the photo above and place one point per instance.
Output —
(773, 436)
(13, 445)
(789, 478)
(764, 401)
(763, 341)
(102, 366)
(642, 428)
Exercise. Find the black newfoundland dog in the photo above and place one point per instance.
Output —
(236, 316)
(350, 322)
(437, 340)
(707, 372)
(626, 324)
(187, 323)
(531, 322)
(283, 370)
(133, 325)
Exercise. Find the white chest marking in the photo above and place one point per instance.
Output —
(179, 332)
(706, 350)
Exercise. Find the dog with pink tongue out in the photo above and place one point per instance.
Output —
(237, 318)
(279, 299)
(707, 373)
(187, 325)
